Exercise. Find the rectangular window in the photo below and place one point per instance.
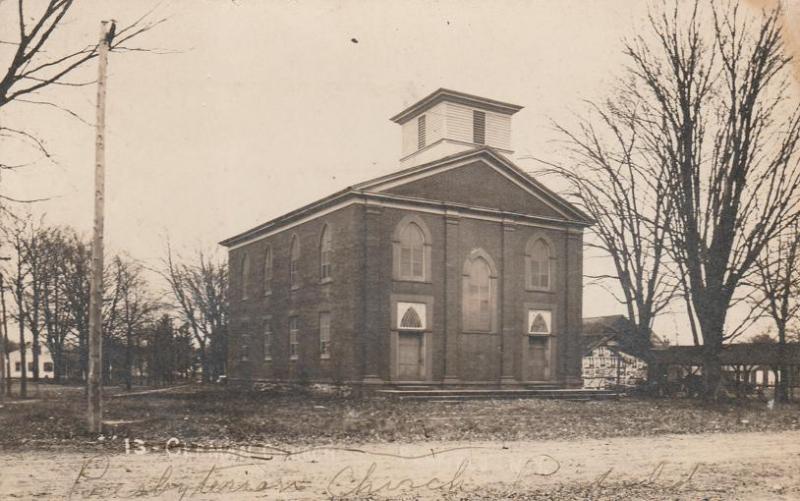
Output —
(244, 336)
(325, 335)
(293, 335)
(30, 366)
(267, 339)
(421, 132)
(18, 367)
(412, 262)
(48, 366)
(478, 127)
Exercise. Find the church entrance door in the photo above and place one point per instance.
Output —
(410, 356)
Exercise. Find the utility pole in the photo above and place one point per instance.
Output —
(96, 285)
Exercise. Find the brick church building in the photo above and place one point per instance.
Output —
(459, 268)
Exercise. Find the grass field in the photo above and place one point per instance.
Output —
(222, 416)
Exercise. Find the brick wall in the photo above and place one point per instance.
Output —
(340, 297)
(472, 356)
(363, 292)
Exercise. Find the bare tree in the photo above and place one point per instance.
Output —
(778, 280)
(200, 291)
(627, 196)
(35, 258)
(39, 62)
(715, 111)
(35, 60)
(58, 323)
(136, 308)
(15, 235)
(74, 270)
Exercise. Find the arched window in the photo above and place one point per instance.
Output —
(245, 276)
(294, 262)
(268, 270)
(479, 293)
(412, 252)
(538, 264)
(325, 250)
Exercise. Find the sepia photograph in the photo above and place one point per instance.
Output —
(400, 250)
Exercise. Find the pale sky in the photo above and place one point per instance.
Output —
(264, 106)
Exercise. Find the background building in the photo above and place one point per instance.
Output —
(612, 354)
(45, 363)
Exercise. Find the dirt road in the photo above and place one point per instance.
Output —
(717, 466)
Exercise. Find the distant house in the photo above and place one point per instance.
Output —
(612, 354)
(46, 368)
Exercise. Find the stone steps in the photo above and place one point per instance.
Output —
(462, 394)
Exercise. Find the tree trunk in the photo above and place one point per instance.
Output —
(712, 372)
(782, 386)
(35, 346)
(204, 364)
(712, 327)
(23, 379)
(128, 359)
(58, 365)
(7, 367)
(35, 349)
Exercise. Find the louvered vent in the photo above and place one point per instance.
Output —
(478, 127)
(421, 132)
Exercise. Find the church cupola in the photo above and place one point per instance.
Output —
(448, 122)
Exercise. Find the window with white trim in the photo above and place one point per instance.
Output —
(538, 264)
(411, 316)
(540, 322)
(412, 252)
(325, 335)
(294, 333)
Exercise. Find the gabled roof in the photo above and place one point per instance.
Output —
(374, 189)
(615, 331)
(440, 95)
(496, 160)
